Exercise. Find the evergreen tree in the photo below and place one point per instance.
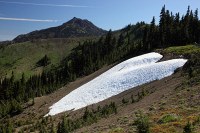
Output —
(108, 42)
(120, 40)
(44, 61)
(152, 33)
(162, 27)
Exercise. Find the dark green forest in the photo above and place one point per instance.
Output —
(89, 56)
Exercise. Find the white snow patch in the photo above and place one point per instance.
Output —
(126, 75)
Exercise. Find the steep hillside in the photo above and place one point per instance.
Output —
(75, 27)
(23, 57)
(167, 105)
(128, 74)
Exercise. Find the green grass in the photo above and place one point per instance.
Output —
(192, 67)
(188, 49)
(22, 57)
(169, 118)
(117, 130)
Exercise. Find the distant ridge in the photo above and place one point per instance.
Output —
(75, 27)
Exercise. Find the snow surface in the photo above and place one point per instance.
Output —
(126, 75)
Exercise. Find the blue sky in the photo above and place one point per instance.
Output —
(23, 16)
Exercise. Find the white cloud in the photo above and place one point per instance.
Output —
(27, 19)
(37, 4)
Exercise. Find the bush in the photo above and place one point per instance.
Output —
(188, 128)
(132, 99)
(168, 118)
(10, 108)
(124, 101)
(142, 123)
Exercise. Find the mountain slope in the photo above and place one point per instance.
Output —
(22, 57)
(169, 96)
(128, 74)
(76, 27)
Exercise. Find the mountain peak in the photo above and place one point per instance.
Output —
(81, 23)
(76, 27)
(74, 19)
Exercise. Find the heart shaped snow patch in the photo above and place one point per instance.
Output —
(126, 75)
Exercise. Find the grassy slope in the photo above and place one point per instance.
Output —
(22, 57)
(182, 50)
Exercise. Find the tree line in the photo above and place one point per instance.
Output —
(172, 30)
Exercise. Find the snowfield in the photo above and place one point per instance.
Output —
(126, 75)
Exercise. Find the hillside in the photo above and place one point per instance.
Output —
(22, 54)
(168, 103)
(75, 27)
(22, 57)
(128, 74)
